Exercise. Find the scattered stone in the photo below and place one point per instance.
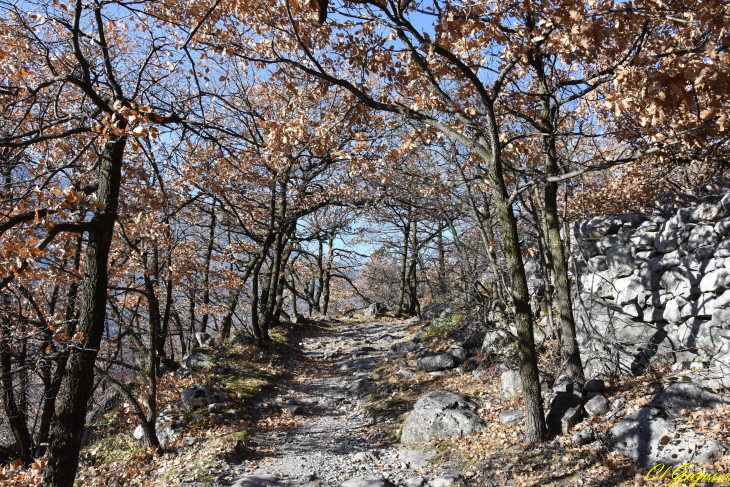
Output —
(202, 396)
(365, 482)
(417, 458)
(564, 413)
(360, 385)
(584, 436)
(257, 481)
(495, 340)
(195, 361)
(511, 383)
(365, 456)
(596, 405)
(444, 481)
(566, 383)
(511, 417)
(594, 385)
(433, 363)
(417, 481)
(408, 373)
(442, 414)
(402, 348)
(294, 409)
(458, 353)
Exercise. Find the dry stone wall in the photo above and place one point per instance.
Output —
(654, 287)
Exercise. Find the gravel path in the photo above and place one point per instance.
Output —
(335, 444)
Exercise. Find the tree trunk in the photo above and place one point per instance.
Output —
(404, 268)
(328, 275)
(65, 443)
(49, 400)
(16, 416)
(414, 307)
(535, 429)
(206, 270)
(569, 342)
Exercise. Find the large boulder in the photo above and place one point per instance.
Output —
(441, 414)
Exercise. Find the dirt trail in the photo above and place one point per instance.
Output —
(335, 442)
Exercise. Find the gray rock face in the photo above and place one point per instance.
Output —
(702, 235)
(442, 414)
(596, 405)
(202, 395)
(416, 481)
(648, 437)
(433, 363)
(667, 242)
(565, 412)
(628, 290)
(408, 373)
(686, 395)
(662, 274)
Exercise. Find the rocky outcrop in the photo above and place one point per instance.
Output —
(653, 287)
(441, 414)
(650, 435)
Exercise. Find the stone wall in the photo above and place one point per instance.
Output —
(654, 287)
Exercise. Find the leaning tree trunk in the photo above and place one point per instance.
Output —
(68, 426)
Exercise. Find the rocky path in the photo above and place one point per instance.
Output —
(335, 444)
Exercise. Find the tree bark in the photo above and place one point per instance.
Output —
(206, 270)
(17, 419)
(569, 342)
(535, 429)
(65, 443)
